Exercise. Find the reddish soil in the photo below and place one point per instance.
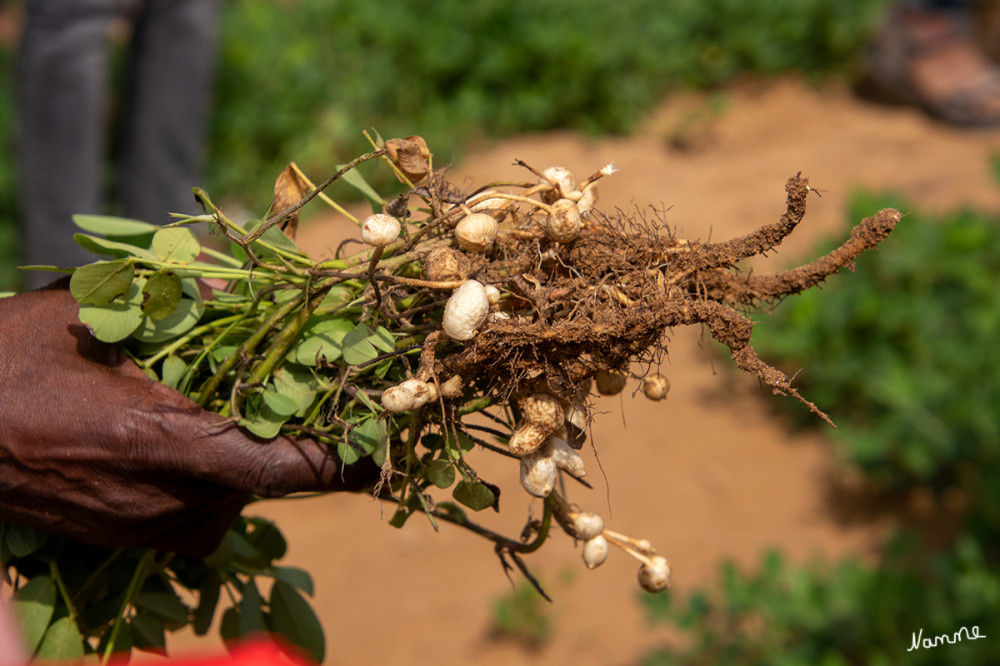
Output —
(708, 474)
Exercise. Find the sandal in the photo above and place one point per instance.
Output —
(930, 59)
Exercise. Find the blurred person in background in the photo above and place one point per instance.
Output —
(931, 53)
(64, 81)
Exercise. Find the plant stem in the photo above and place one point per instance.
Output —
(129, 600)
(208, 389)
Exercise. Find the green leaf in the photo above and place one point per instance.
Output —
(62, 641)
(298, 384)
(148, 634)
(473, 494)
(161, 294)
(111, 248)
(267, 538)
(251, 613)
(101, 282)
(165, 605)
(382, 339)
(172, 371)
(357, 181)
(278, 403)
(116, 320)
(365, 438)
(357, 347)
(292, 617)
(229, 628)
(320, 338)
(264, 422)
(441, 473)
(208, 599)
(176, 245)
(23, 541)
(295, 577)
(107, 225)
(33, 604)
(185, 316)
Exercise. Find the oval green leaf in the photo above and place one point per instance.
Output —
(473, 494)
(292, 617)
(108, 225)
(280, 404)
(184, 317)
(161, 295)
(111, 247)
(320, 338)
(148, 634)
(33, 605)
(357, 348)
(101, 282)
(441, 473)
(63, 641)
(175, 245)
(116, 320)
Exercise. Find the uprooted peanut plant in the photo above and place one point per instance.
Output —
(491, 318)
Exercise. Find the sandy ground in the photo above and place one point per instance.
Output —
(710, 473)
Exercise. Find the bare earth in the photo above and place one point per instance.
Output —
(710, 473)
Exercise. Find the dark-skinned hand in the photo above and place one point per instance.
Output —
(94, 450)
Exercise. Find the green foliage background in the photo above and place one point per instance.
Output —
(903, 353)
(300, 79)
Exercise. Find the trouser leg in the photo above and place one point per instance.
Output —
(168, 90)
(62, 82)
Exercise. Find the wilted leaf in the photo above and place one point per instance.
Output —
(289, 189)
(101, 282)
(410, 155)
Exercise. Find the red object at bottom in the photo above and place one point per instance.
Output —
(256, 652)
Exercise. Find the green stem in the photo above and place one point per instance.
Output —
(194, 333)
(128, 601)
(63, 592)
(209, 388)
(284, 339)
(97, 573)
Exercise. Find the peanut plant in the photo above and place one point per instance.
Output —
(490, 318)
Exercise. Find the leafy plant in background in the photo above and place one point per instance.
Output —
(303, 77)
(67, 592)
(840, 614)
(904, 356)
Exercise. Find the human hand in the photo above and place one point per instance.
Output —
(93, 449)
